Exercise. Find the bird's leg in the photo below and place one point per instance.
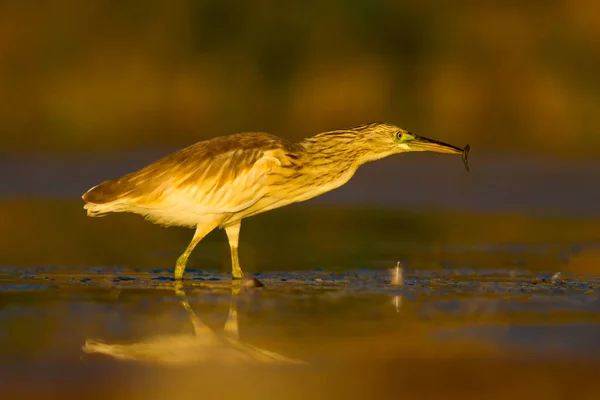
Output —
(201, 231)
(233, 234)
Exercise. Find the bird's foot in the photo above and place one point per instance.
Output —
(236, 273)
(178, 286)
(179, 270)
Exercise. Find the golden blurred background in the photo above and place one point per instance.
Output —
(509, 253)
(97, 74)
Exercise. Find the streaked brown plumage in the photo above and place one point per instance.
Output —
(218, 182)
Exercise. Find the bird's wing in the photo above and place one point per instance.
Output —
(223, 183)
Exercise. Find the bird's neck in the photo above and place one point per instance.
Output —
(325, 162)
(339, 150)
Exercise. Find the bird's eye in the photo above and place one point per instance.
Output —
(398, 135)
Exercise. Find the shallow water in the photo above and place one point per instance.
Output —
(507, 304)
(77, 331)
(499, 290)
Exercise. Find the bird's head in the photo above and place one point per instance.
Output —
(389, 138)
(384, 139)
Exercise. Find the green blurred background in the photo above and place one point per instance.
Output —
(97, 75)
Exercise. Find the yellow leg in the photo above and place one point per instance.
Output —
(233, 234)
(201, 231)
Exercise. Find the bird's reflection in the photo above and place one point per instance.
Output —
(204, 345)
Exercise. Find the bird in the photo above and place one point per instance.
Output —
(216, 183)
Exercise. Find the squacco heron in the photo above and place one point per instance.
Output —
(219, 182)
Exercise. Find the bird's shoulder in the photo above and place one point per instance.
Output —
(239, 142)
(247, 148)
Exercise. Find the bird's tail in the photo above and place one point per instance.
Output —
(106, 197)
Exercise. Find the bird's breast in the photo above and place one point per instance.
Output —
(306, 185)
(286, 187)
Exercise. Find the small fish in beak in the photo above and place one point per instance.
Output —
(465, 154)
(420, 143)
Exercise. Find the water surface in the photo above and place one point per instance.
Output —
(500, 291)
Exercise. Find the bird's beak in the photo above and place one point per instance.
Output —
(425, 144)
